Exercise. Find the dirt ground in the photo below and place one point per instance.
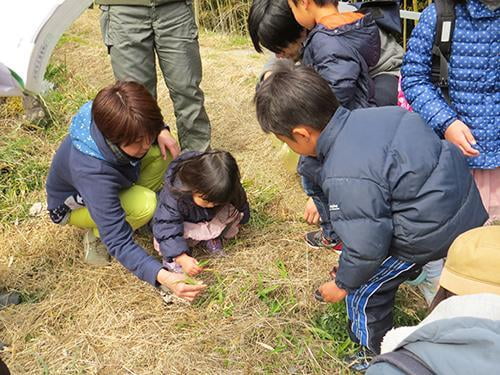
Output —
(258, 315)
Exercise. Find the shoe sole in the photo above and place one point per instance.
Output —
(338, 252)
(312, 246)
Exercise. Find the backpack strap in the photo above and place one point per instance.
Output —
(441, 49)
(405, 361)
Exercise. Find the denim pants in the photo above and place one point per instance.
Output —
(321, 206)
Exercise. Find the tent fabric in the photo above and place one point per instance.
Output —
(29, 32)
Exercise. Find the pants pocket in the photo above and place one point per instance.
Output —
(105, 32)
(194, 26)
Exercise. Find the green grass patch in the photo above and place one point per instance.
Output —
(22, 171)
(261, 199)
(278, 298)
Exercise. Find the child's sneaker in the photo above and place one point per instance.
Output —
(316, 240)
(172, 266)
(96, 253)
(214, 247)
(361, 360)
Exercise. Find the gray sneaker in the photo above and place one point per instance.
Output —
(96, 253)
(9, 298)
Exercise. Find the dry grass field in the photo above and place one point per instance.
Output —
(258, 315)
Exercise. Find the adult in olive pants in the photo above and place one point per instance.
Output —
(135, 31)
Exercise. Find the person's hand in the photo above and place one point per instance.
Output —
(459, 134)
(331, 292)
(311, 214)
(174, 282)
(167, 142)
(189, 264)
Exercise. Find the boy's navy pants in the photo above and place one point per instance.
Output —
(370, 307)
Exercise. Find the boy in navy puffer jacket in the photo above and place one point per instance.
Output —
(341, 47)
(396, 194)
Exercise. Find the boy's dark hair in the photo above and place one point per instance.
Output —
(294, 95)
(126, 112)
(271, 25)
(214, 175)
(321, 3)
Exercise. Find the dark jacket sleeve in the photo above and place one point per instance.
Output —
(336, 64)
(361, 214)
(100, 194)
(168, 227)
(425, 97)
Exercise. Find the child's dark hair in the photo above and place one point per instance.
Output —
(271, 25)
(214, 175)
(320, 3)
(126, 112)
(294, 95)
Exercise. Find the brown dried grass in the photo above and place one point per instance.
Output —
(83, 320)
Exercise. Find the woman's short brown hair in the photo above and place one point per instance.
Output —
(126, 113)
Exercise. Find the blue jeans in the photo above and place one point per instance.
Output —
(313, 191)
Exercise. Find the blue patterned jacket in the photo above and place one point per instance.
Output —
(474, 78)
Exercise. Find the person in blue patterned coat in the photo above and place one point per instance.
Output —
(471, 119)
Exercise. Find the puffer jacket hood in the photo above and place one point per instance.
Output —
(344, 24)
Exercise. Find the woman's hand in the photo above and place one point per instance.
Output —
(167, 142)
(174, 282)
(459, 134)
(311, 214)
(189, 264)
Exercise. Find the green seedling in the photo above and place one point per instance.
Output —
(204, 263)
(282, 269)
(188, 281)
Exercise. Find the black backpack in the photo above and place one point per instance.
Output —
(445, 25)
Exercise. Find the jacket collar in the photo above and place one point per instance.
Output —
(329, 134)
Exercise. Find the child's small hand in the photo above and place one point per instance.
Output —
(460, 135)
(311, 214)
(331, 292)
(189, 264)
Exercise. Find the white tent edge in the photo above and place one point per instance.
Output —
(41, 50)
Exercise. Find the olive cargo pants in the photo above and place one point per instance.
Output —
(135, 34)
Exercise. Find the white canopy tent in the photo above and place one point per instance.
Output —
(29, 31)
